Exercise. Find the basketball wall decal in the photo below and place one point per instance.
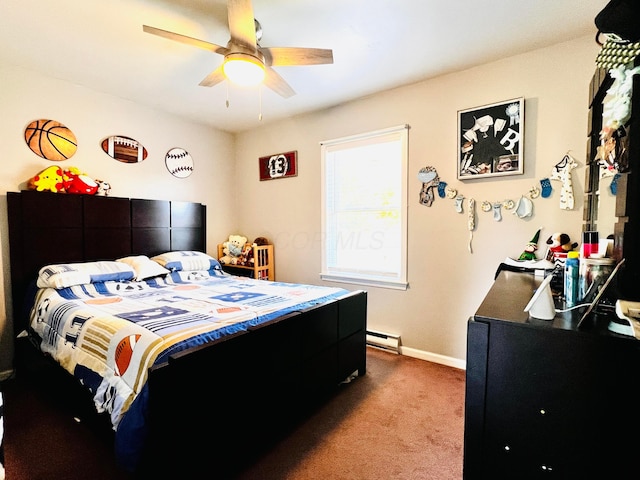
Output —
(179, 162)
(50, 140)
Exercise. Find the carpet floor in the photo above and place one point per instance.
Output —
(403, 420)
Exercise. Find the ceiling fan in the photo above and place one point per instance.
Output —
(244, 51)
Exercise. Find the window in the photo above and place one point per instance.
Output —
(364, 208)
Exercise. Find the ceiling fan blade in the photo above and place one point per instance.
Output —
(276, 83)
(213, 78)
(242, 23)
(290, 56)
(212, 47)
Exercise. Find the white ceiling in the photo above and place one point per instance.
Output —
(377, 45)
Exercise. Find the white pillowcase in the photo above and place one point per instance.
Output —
(144, 267)
(186, 260)
(69, 274)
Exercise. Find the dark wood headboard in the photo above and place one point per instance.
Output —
(47, 228)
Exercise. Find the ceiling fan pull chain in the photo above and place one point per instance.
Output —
(227, 100)
(260, 99)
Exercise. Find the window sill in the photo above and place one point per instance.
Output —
(395, 285)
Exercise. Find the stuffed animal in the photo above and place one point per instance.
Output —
(248, 257)
(104, 188)
(232, 249)
(530, 249)
(68, 180)
(48, 179)
(260, 241)
(76, 181)
(561, 243)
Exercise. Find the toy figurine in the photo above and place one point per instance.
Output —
(530, 249)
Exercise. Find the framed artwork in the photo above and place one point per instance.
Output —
(280, 165)
(490, 140)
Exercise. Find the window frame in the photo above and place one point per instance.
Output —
(399, 280)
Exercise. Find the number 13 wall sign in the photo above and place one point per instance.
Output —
(279, 165)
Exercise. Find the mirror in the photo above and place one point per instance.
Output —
(600, 201)
(124, 149)
(605, 217)
(604, 211)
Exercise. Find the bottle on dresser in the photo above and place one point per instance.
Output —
(571, 278)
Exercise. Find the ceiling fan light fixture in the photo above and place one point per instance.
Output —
(243, 69)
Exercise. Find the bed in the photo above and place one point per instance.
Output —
(191, 365)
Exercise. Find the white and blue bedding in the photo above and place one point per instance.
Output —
(109, 333)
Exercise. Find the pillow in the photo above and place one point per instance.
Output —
(144, 267)
(186, 260)
(177, 276)
(69, 274)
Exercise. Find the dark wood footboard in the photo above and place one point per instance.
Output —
(209, 408)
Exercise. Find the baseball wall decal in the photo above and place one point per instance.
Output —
(179, 162)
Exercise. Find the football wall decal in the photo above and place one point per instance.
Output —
(124, 149)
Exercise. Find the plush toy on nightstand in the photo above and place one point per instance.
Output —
(259, 241)
(232, 249)
(247, 253)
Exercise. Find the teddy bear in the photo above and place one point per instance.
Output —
(248, 254)
(232, 249)
(561, 243)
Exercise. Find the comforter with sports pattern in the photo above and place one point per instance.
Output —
(108, 334)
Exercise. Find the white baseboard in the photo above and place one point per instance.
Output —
(434, 357)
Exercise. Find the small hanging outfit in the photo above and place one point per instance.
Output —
(562, 172)
(430, 180)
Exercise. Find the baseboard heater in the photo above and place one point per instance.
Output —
(384, 341)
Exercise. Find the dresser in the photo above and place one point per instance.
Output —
(545, 399)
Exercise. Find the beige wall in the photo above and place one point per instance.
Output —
(447, 283)
(26, 96)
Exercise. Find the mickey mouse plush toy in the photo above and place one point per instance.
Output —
(561, 243)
